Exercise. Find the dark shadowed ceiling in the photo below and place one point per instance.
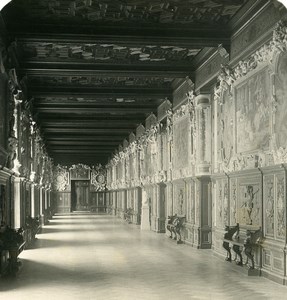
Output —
(94, 70)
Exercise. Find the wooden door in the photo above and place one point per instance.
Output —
(82, 194)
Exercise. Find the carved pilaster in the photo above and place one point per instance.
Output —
(203, 155)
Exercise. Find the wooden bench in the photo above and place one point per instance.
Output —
(244, 238)
(128, 213)
(32, 227)
(174, 225)
(12, 240)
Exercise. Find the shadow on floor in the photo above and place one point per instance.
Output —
(36, 274)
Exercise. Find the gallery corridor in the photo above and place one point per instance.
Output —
(89, 256)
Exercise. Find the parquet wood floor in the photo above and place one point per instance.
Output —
(88, 256)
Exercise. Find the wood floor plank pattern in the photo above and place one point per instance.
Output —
(88, 256)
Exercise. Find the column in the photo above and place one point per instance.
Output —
(33, 215)
(203, 208)
(145, 212)
(14, 140)
(203, 145)
(161, 207)
(17, 202)
(46, 199)
(41, 205)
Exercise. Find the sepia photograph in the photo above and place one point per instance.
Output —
(143, 149)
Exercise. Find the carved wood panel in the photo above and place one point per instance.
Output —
(269, 193)
(280, 206)
(233, 201)
(179, 198)
(249, 206)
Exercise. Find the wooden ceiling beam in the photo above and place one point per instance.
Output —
(100, 118)
(86, 130)
(88, 124)
(181, 36)
(83, 143)
(66, 69)
(94, 92)
(83, 151)
(94, 110)
(84, 138)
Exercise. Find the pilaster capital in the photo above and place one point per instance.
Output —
(202, 101)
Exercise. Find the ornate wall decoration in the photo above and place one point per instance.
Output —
(233, 202)
(197, 201)
(192, 202)
(210, 69)
(269, 204)
(98, 178)
(219, 201)
(258, 27)
(13, 140)
(280, 207)
(225, 203)
(255, 106)
(80, 172)
(169, 123)
(249, 208)
(263, 55)
(179, 199)
(61, 179)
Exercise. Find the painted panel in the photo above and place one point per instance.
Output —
(181, 144)
(225, 127)
(280, 82)
(253, 112)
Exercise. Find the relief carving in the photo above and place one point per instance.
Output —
(61, 180)
(280, 205)
(233, 203)
(256, 105)
(219, 204)
(225, 204)
(98, 178)
(249, 209)
(269, 206)
(192, 207)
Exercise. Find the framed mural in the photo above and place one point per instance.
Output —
(181, 129)
(280, 88)
(253, 97)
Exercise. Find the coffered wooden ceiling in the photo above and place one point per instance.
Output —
(94, 70)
